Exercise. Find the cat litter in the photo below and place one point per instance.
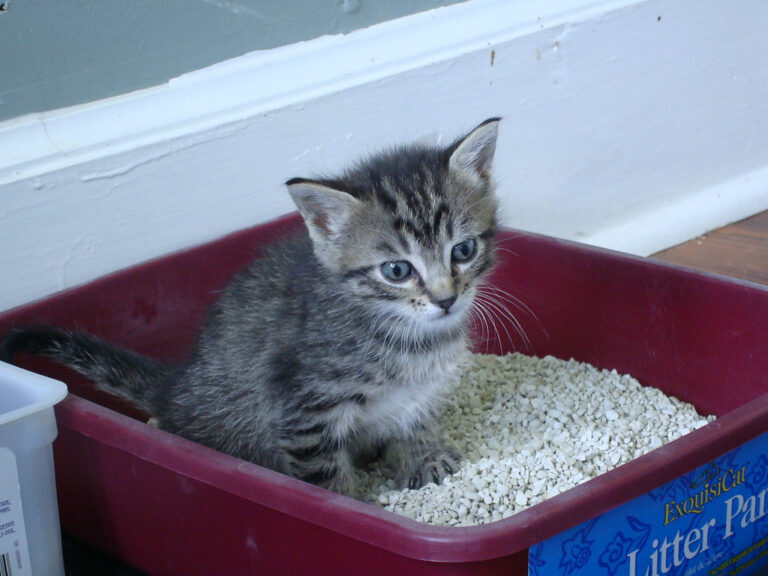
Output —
(531, 428)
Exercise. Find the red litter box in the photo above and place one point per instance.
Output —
(171, 507)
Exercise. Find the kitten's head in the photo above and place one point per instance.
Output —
(410, 230)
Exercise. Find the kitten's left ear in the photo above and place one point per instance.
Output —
(474, 154)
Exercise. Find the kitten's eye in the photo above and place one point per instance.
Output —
(464, 250)
(397, 270)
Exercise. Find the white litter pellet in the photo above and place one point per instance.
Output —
(530, 428)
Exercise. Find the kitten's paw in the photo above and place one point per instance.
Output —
(341, 484)
(434, 467)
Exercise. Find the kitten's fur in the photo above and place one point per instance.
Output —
(327, 351)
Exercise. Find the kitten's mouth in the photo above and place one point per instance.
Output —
(453, 314)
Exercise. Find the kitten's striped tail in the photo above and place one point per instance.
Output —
(114, 370)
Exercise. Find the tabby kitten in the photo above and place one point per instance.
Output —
(338, 345)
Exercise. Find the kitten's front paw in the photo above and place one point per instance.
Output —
(341, 484)
(435, 466)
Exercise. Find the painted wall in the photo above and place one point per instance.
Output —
(627, 124)
(57, 54)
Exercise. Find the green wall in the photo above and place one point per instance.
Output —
(59, 53)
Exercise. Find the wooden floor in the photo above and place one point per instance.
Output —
(739, 250)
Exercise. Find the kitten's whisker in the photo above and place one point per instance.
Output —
(507, 250)
(510, 299)
(518, 328)
(486, 322)
(478, 316)
(495, 304)
(510, 236)
(500, 313)
(491, 320)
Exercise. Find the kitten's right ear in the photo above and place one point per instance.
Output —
(326, 210)
(474, 153)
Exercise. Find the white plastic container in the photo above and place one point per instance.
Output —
(30, 538)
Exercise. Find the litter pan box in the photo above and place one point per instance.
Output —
(171, 507)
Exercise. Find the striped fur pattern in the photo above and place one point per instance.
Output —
(340, 344)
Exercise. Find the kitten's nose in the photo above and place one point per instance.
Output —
(446, 303)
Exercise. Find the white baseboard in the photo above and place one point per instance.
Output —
(676, 220)
(618, 118)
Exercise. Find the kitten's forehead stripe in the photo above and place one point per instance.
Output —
(440, 214)
(404, 244)
(386, 200)
(409, 226)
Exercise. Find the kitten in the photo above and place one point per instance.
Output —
(338, 345)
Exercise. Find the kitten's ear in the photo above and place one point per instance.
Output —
(474, 154)
(325, 209)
